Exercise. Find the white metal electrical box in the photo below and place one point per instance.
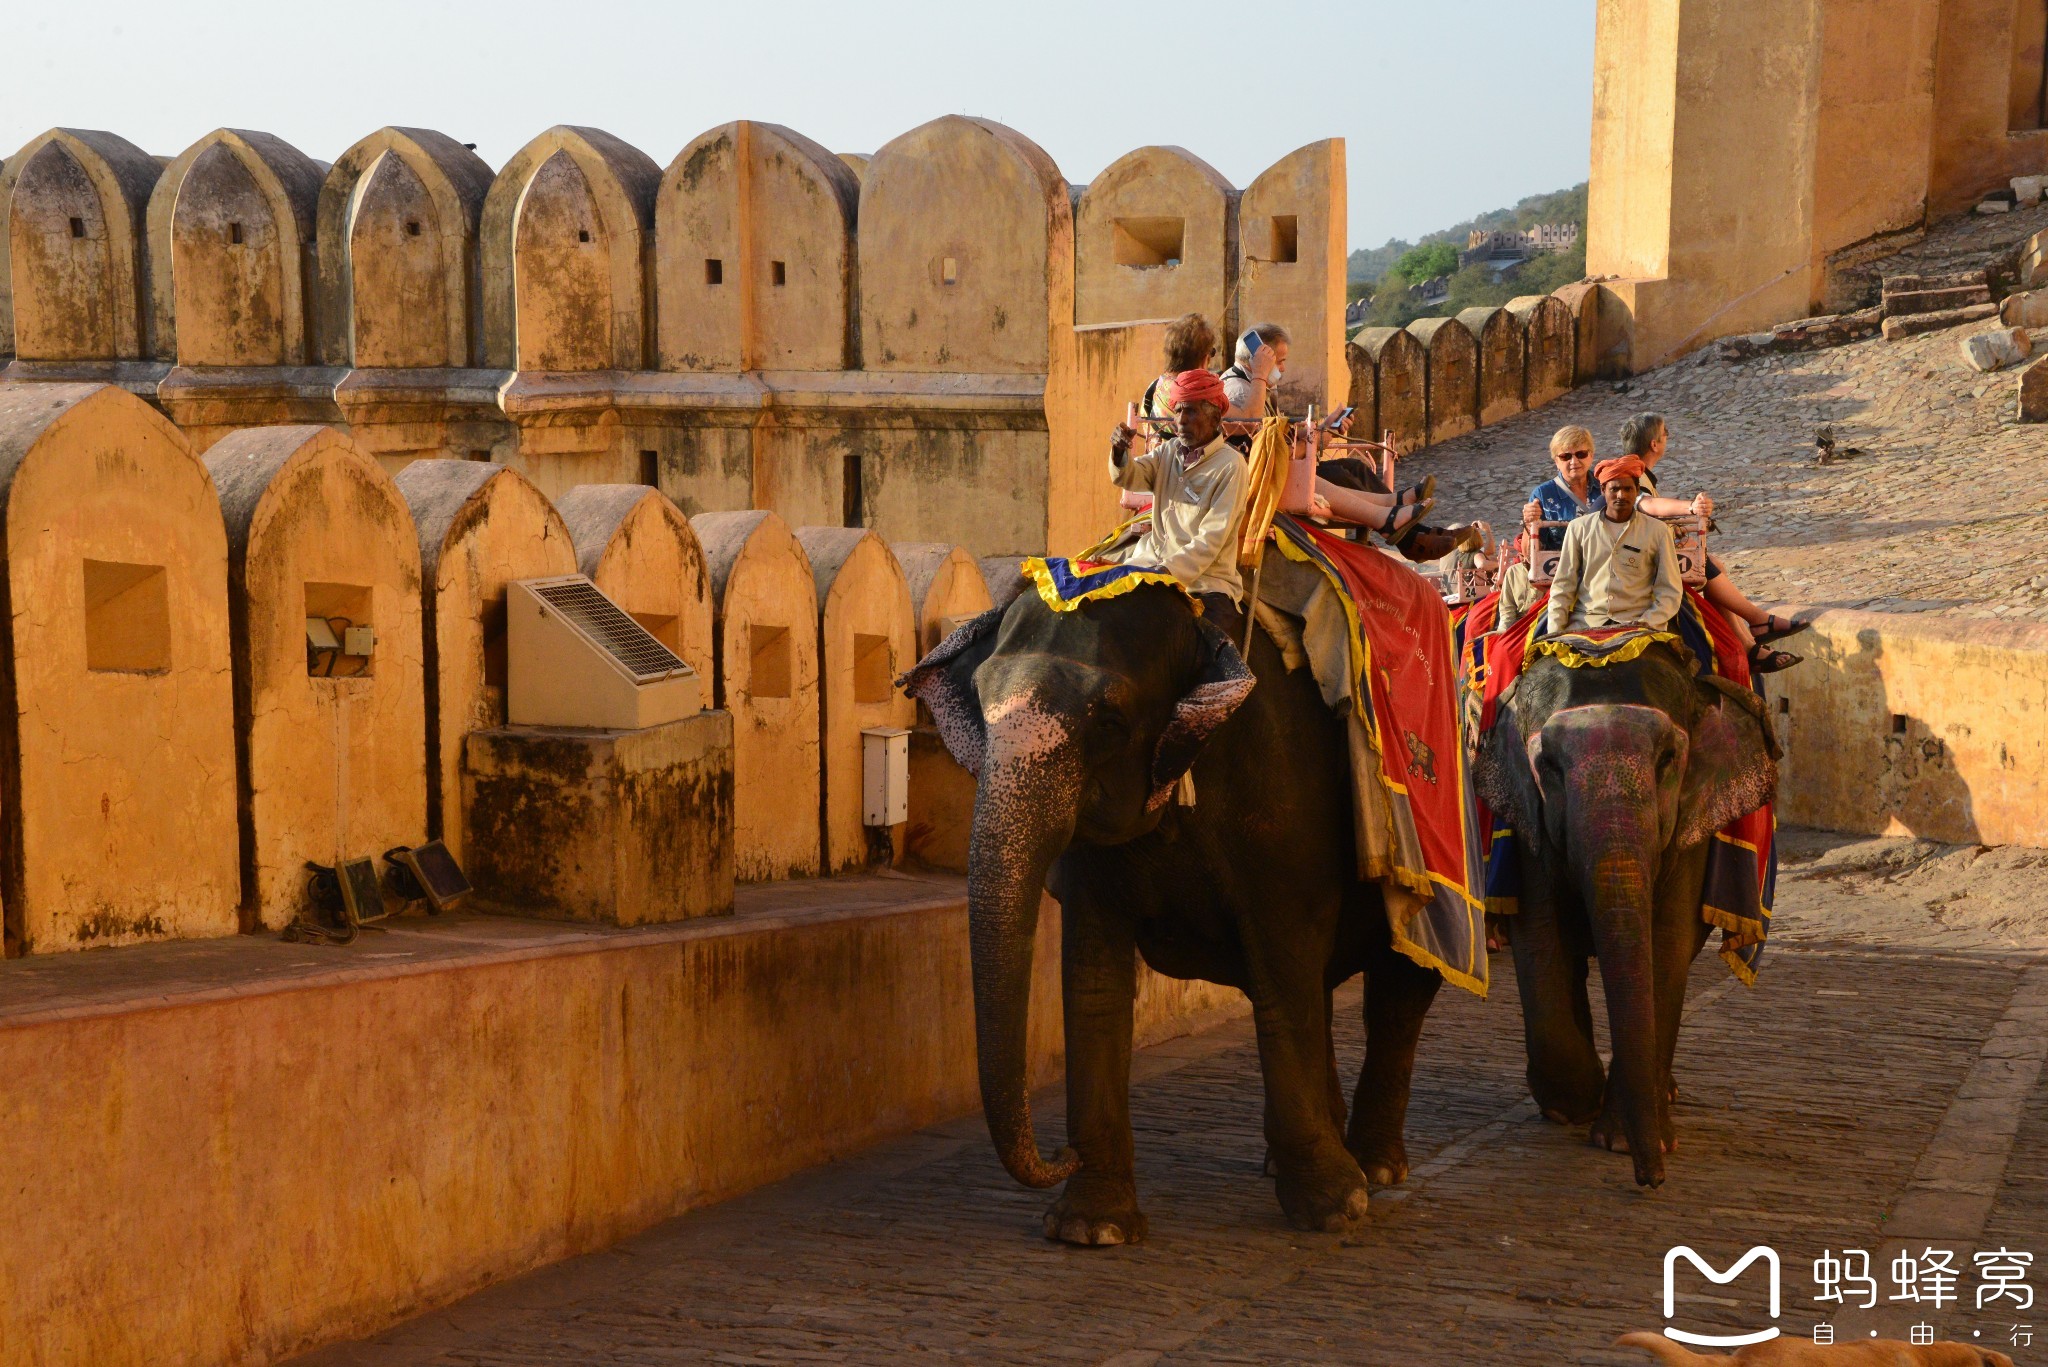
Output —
(575, 658)
(884, 776)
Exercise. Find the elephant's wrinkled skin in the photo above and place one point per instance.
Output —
(1615, 780)
(1078, 725)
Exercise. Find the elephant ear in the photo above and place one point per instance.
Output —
(1501, 774)
(1222, 681)
(1731, 765)
(944, 682)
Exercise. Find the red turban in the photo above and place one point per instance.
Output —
(1198, 386)
(1620, 467)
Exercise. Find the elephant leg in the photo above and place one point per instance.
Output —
(1565, 1076)
(1336, 1083)
(1318, 1181)
(1332, 1081)
(1680, 935)
(1398, 993)
(1099, 966)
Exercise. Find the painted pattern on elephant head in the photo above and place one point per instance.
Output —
(1706, 756)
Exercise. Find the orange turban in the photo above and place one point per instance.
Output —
(1198, 386)
(1620, 467)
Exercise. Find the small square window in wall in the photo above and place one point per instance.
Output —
(778, 274)
(1144, 242)
(412, 227)
(650, 469)
(873, 669)
(714, 271)
(1286, 246)
(583, 234)
(345, 649)
(127, 618)
(949, 271)
(78, 227)
(235, 233)
(769, 669)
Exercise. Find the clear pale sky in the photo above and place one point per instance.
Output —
(1446, 109)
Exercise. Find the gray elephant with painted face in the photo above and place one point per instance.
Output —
(1079, 726)
(1615, 779)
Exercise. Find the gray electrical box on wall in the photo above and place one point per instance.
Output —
(884, 776)
(575, 658)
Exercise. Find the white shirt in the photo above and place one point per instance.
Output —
(1615, 572)
(1197, 513)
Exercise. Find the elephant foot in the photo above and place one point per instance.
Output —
(1575, 1101)
(1330, 1199)
(1610, 1132)
(1096, 1212)
(1384, 1161)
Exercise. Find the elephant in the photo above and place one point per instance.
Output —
(1615, 780)
(1079, 726)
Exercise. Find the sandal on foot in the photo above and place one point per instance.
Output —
(1415, 494)
(1763, 661)
(1776, 628)
(1407, 529)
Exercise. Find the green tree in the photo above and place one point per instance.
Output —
(1427, 262)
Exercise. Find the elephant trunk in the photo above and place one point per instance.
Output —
(1024, 812)
(1611, 777)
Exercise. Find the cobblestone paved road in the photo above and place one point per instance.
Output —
(1860, 1096)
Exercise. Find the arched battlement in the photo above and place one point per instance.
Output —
(481, 526)
(233, 216)
(966, 250)
(331, 744)
(1155, 236)
(1453, 388)
(564, 239)
(754, 253)
(76, 259)
(114, 670)
(1291, 262)
(640, 550)
(398, 263)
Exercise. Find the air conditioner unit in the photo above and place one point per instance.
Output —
(574, 658)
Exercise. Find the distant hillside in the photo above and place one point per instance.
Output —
(1386, 272)
(1559, 206)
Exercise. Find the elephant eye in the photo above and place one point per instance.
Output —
(1107, 731)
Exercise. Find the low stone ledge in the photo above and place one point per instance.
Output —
(493, 1095)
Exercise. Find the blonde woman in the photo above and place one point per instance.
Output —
(1570, 492)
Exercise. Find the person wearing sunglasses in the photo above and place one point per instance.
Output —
(1570, 492)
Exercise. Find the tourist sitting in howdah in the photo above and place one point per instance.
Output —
(1350, 490)
(1197, 481)
(1190, 342)
(1569, 495)
(1619, 567)
(1570, 492)
(1647, 437)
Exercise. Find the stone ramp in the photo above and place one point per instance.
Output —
(1807, 1106)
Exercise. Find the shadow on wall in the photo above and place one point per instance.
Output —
(1855, 760)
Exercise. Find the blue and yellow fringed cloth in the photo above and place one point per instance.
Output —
(1742, 865)
(1065, 583)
